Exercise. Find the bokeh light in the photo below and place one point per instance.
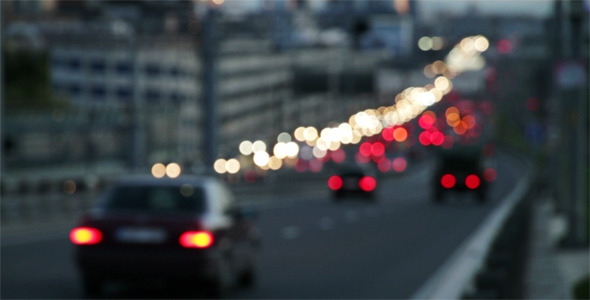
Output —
(232, 166)
(425, 43)
(298, 134)
(481, 43)
(173, 170)
(220, 166)
(69, 187)
(283, 137)
(400, 134)
(245, 147)
(258, 146)
(187, 190)
(275, 163)
(261, 158)
(399, 164)
(158, 170)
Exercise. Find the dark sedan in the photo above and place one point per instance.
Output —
(353, 180)
(462, 170)
(186, 230)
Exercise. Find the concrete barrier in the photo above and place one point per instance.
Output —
(464, 272)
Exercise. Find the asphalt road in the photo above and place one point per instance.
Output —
(312, 248)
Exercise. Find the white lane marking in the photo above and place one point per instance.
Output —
(290, 232)
(326, 223)
(352, 216)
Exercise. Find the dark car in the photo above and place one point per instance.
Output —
(461, 170)
(186, 230)
(353, 180)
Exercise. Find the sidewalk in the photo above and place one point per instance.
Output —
(551, 272)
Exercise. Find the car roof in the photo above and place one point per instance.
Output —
(353, 167)
(148, 180)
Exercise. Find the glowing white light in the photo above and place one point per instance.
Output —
(292, 149)
(219, 166)
(426, 98)
(258, 146)
(310, 134)
(232, 166)
(173, 170)
(280, 150)
(261, 158)
(298, 133)
(481, 44)
(425, 43)
(246, 147)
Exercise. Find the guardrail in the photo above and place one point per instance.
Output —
(63, 196)
(472, 271)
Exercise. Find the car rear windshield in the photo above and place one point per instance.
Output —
(159, 199)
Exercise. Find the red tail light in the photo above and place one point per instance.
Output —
(472, 181)
(196, 239)
(367, 183)
(448, 181)
(335, 182)
(85, 236)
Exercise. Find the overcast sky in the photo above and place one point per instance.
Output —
(540, 8)
(428, 8)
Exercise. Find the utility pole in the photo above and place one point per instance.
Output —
(138, 109)
(208, 54)
(572, 80)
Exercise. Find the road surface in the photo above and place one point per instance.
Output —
(312, 247)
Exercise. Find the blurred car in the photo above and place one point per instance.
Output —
(460, 170)
(353, 180)
(186, 230)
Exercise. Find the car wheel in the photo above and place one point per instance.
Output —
(481, 197)
(218, 287)
(92, 286)
(337, 198)
(247, 278)
(438, 197)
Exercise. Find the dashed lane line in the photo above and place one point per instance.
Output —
(326, 223)
(352, 216)
(290, 232)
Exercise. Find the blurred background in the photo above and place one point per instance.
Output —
(273, 96)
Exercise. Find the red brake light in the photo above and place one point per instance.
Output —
(85, 236)
(448, 181)
(367, 183)
(472, 181)
(335, 182)
(196, 239)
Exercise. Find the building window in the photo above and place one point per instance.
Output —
(152, 95)
(98, 66)
(74, 89)
(177, 97)
(124, 67)
(176, 72)
(98, 91)
(152, 70)
(74, 64)
(57, 62)
(124, 93)
(56, 87)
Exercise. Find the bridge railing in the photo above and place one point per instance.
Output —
(485, 264)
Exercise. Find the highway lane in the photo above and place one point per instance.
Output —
(312, 248)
